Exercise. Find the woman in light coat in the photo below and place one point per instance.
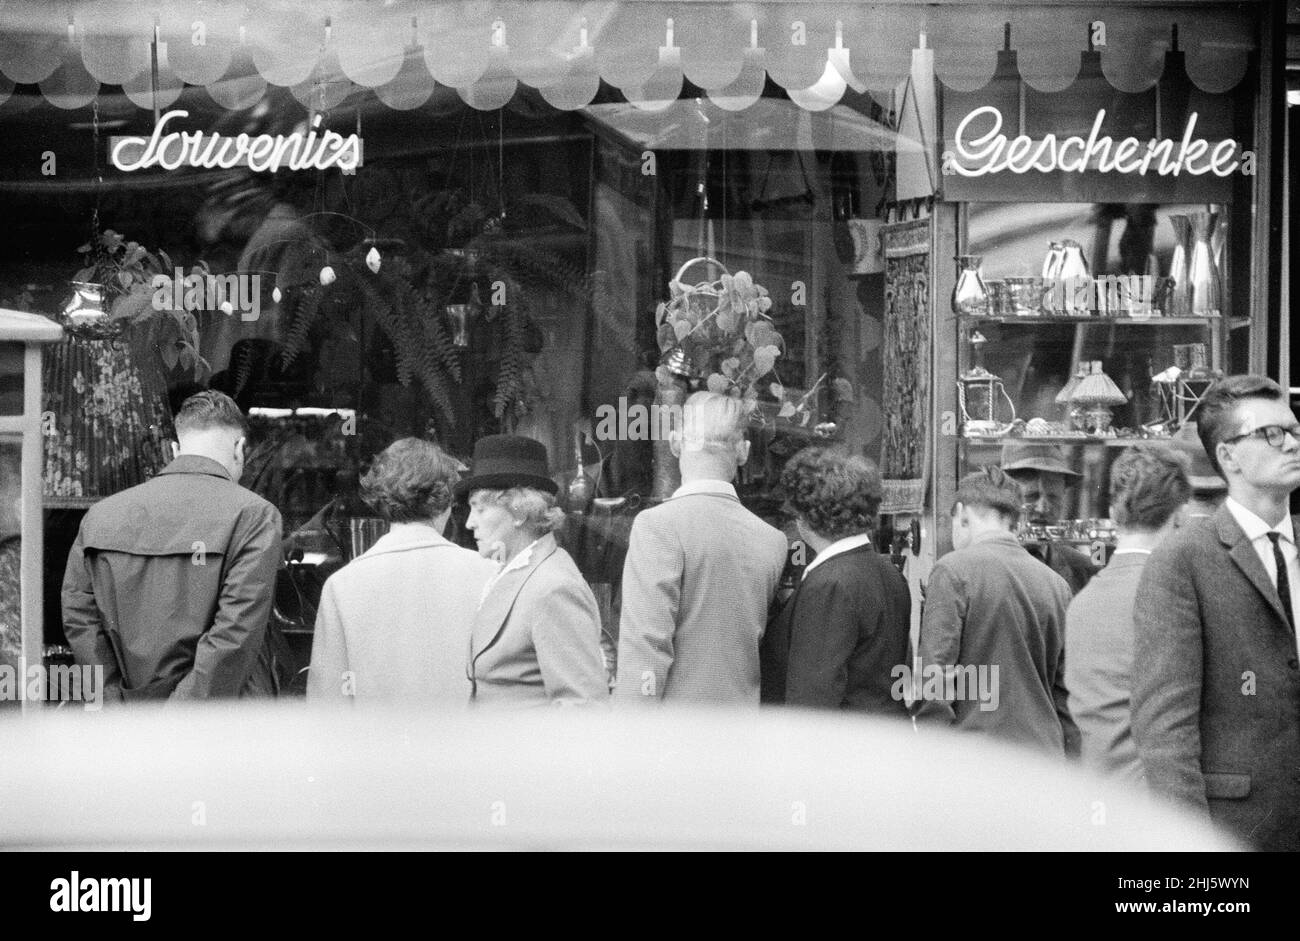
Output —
(394, 623)
(536, 638)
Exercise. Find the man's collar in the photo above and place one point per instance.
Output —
(996, 535)
(195, 464)
(1254, 527)
(839, 547)
(705, 485)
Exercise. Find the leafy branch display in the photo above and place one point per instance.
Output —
(719, 331)
(138, 290)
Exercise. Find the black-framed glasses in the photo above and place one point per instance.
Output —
(1275, 435)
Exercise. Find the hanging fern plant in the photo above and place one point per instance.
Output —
(458, 252)
(367, 290)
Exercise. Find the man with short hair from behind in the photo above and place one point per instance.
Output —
(990, 606)
(1148, 494)
(700, 574)
(1216, 690)
(169, 583)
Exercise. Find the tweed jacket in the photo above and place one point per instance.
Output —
(700, 575)
(1216, 696)
(393, 624)
(536, 636)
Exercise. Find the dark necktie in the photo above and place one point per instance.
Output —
(1283, 580)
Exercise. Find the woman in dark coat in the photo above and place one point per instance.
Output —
(839, 637)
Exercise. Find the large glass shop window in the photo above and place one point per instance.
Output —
(481, 271)
(531, 179)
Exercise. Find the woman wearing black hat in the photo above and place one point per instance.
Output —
(536, 637)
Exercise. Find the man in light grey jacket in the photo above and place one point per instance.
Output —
(1148, 491)
(700, 574)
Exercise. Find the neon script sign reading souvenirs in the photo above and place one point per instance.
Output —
(993, 152)
(262, 152)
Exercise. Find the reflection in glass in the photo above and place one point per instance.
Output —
(11, 378)
(11, 637)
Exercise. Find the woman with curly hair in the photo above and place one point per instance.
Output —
(844, 630)
(394, 623)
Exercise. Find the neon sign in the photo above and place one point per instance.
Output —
(980, 154)
(261, 152)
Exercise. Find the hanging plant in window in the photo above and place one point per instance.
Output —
(718, 333)
(357, 294)
(120, 284)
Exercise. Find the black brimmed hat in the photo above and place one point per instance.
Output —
(504, 461)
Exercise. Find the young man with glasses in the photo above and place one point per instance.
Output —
(1216, 699)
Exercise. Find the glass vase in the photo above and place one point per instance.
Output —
(1180, 294)
(1204, 283)
(970, 298)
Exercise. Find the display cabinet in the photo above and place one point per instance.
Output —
(1062, 353)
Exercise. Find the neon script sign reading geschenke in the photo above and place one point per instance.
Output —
(993, 152)
(259, 153)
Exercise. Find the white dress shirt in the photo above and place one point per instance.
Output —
(1257, 531)
(836, 548)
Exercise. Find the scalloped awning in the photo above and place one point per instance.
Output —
(328, 51)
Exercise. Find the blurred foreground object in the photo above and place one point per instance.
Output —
(257, 776)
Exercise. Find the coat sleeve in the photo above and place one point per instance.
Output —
(566, 638)
(823, 634)
(1167, 678)
(939, 646)
(83, 623)
(227, 651)
(326, 678)
(652, 582)
(1060, 692)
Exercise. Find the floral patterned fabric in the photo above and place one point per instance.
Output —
(105, 422)
(11, 625)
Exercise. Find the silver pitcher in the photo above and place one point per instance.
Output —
(1073, 264)
(1052, 263)
(1066, 286)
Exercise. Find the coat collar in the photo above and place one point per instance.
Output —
(493, 614)
(995, 537)
(195, 464)
(714, 488)
(405, 536)
(1242, 551)
(839, 547)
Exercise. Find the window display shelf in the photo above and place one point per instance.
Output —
(993, 441)
(1152, 321)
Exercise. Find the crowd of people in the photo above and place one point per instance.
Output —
(1175, 665)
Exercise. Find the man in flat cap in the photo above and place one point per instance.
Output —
(1042, 474)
